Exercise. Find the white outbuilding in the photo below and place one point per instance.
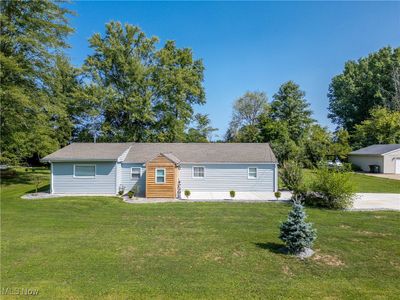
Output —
(386, 156)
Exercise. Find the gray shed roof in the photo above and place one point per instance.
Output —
(376, 149)
(203, 152)
(88, 151)
(178, 152)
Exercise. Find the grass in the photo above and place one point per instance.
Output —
(103, 248)
(366, 184)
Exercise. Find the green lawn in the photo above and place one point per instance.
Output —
(102, 248)
(367, 184)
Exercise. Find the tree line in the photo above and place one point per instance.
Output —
(364, 103)
(132, 88)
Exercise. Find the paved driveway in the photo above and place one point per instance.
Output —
(372, 201)
(382, 175)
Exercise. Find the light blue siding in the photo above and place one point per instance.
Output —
(127, 181)
(109, 175)
(64, 181)
(226, 177)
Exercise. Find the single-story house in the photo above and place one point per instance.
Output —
(163, 170)
(386, 156)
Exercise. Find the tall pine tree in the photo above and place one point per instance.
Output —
(289, 105)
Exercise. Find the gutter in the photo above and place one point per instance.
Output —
(77, 159)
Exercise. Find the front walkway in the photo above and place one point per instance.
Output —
(217, 197)
(363, 201)
(247, 196)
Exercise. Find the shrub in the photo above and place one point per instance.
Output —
(135, 191)
(121, 190)
(8, 173)
(277, 195)
(331, 189)
(292, 175)
(355, 168)
(295, 232)
(130, 194)
(187, 193)
(232, 194)
(37, 181)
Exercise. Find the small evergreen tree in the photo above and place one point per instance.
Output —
(295, 232)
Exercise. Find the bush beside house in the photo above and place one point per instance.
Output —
(331, 189)
(187, 194)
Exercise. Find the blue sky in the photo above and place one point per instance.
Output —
(248, 46)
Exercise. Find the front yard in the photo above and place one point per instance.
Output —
(100, 247)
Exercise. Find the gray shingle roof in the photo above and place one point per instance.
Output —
(376, 149)
(179, 152)
(88, 151)
(203, 152)
(172, 157)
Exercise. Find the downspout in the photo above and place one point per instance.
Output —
(116, 178)
(276, 178)
(51, 178)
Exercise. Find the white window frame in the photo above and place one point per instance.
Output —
(197, 177)
(248, 173)
(140, 172)
(165, 175)
(84, 165)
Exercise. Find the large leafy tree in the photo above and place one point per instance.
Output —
(202, 130)
(69, 99)
(289, 105)
(364, 84)
(340, 147)
(178, 84)
(147, 94)
(32, 32)
(120, 70)
(317, 144)
(284, 123)
(383, 127)
(277, 133)
(246, 111)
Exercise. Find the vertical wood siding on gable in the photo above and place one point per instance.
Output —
(162, 190)
(64, 181)
(226, 177)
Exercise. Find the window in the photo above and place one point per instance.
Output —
(136, 173)
(252, 173)
(85, 171)
(160, 175)
(198, 172)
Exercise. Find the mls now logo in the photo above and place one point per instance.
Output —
(19, 291)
